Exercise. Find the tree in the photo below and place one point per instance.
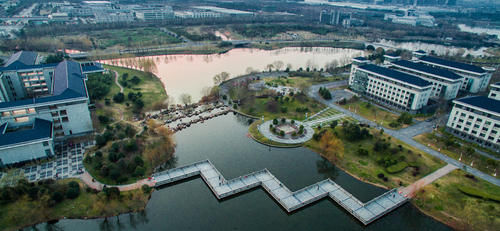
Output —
(304, 87)
(270, 67)
(278, 65)
(370, 48)
(332, 146)
(185, 99)
(221, 77)
(334, 124)
(119, 97)
(54, 58)
(405, 118)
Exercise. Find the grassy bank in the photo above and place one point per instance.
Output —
(444, 201)
(89, 204)
(448, 145)
(368, 165)
(375, 114)
(253, 130)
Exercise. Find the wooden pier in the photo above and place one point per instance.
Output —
(290, 201)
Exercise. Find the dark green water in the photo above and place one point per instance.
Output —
(190, 205)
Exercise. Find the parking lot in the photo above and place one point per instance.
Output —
(68, 162)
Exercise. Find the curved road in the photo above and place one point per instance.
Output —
(404, 135)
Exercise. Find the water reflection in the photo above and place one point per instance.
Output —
(191, 73)
(327, 169)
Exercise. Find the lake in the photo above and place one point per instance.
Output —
(190, 205)
(191, 73)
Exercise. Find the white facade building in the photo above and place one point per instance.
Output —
(391, 88)
(476, 119)
(495, 91)
(476, 79)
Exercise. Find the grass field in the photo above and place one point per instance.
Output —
(297, 81)
(139, 37)
(480, 162)
(254, 132)
(373, 113)
(259, 108)
(444, 201)
(26, 212)
(366, 167)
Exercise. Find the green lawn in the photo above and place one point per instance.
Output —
(297, 81)
(254, 132)
(444, 201)
(367, 168)
(260, 108)
(374, 113)
(482, 163)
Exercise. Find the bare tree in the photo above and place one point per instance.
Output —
(221, 77)
(278, 65)
(250, 70)
(185, 98)
(270, 67)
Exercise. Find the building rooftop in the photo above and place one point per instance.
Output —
(453, 64)
(420, 52)
(396, 75)
(68, 83)
(361, 58)
(20, 66)
(22, 58)
(427, 69)
(41, 129)
(482, 102)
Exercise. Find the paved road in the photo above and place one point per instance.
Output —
(411, 189)
(405, 136)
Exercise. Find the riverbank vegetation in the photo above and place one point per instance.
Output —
(453, 147)
(31, 203)
(462, 201)
(373, 156)
(122, 157)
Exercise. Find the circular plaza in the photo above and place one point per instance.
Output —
(286, 131)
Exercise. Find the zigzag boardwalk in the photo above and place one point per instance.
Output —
(290, 201)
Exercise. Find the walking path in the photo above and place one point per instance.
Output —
(313, 123)
(118, 83)
(92, 183)
(410, 190)
(405, 136)
(290, 201)
(266, 131)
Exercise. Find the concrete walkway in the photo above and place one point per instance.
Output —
(405, 136)
(92, 183)
(410, 190)
(266, 132)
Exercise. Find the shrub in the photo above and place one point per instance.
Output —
(98, 154)
(145, 188)
(139, 171)
(103, 119)
(284, 109)
(394, 124)
(282, 133)
(405, 118)
(119, 97)
(224, 97)
(138, 161)
(397, 167)
(363, 152)
(293, 122)
(73, 193)
(275, 121)
(57, 196)
(283, 120)
(380, 175)
(113, 157)
(477, 193)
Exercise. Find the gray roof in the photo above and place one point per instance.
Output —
(68, 83)
(41, 129)
(482, 102)
(453, 64)
(428, 69)
(396, 75)
(361, 58)
(22, 58)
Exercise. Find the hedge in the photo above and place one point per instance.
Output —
(480, 194)
(397, 167)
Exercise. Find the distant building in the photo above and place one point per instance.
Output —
(391, 88)
(476, 119)
(476, 78)
(336, 17)
(412, 17)
(113, 17)
(224, 11)
(154, 14)
(197, 14)
(40, 104)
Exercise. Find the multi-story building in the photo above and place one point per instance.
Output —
(476, 119)
(41, 104)
(445, 84)
(476, 79)
(391, 88)
(495, 91)
(154, 14)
